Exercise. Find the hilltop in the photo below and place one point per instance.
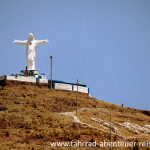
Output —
(32, 116)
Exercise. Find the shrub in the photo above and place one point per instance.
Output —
(2, 108)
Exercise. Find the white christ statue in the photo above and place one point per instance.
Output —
(31, 45)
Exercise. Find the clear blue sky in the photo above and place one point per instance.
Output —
(103, 43)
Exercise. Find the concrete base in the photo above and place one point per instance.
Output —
(19, 78)
(29, 79)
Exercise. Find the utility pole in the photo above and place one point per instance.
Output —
(110, 131)
(51, 69)
(77, 98)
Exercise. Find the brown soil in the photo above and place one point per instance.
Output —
(30, 118)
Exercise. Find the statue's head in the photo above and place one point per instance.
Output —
(30, 36)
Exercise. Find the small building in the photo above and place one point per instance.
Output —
(61, 85)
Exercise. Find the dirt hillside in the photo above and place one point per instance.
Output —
(33, 116)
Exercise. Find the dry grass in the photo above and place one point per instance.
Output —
(31, 118)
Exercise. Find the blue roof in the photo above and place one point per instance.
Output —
(57, 81)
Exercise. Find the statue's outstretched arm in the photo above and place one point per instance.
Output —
(20, 42)
(41, 42)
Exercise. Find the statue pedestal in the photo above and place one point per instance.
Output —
(32, 76)
(30, 72)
